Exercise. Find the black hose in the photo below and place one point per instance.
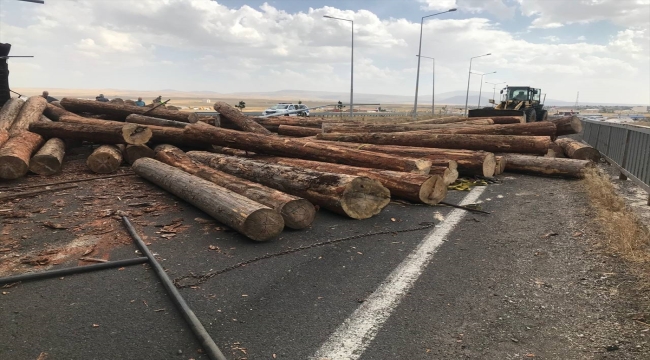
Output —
(204, 338)
(73, 270)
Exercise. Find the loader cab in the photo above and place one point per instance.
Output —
(521, 93)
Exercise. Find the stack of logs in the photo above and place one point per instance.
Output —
(259, 175)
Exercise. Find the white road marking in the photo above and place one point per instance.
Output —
(351, 338)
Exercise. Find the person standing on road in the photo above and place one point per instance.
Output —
(140, 102)
(46, 96)
(101, 98)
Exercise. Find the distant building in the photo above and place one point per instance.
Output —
(208, 101)
(640, 109)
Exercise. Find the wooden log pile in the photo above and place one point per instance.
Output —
(258, 175)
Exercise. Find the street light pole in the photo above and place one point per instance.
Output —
(481, 88)
(433, 90)
(351, 63)
(494, 88)
(469, 76)
(417, 77)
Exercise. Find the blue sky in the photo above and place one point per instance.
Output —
(600, 48)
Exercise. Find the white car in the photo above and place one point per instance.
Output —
(284, 108)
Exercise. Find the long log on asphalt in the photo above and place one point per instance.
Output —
(251, 219)
(567, 125)
(359, 128)
(426, 189)
(297, 212)
(149, 120)
(56, 112)
(441, 120)
(134, 152)
(9, 113)
(16, 153)
(309, 150)
(491, 143)
(466, 162)
(99, 133)
(540, 128)
(577, 150)
(49, 159)
(503, 119)
(297, 131)
(106, 159)
(357, 197)
(121, 111)
(242, 121)
(541, 165)
(276, 121)
(30, 112)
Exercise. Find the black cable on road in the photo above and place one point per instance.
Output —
(204, 338)
(69, 271)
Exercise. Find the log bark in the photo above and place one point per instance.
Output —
(297, 212)
(121, 111)
(555, 150)
(491, 143)
(48, 160)
(16, 153)
(4, 136)
(149, 120)
(251, 219)
(357, 197)
(273, 123)
(360, 128)
(427, 189)
(577, 150)
(135, 152)
(242, 121)
(540, 165)
(106, 159)
(30, 112)
(466, 162)
(503, 119)
(310, 150)
(9, 113)
(297, 131)
(542, 128)
(567, 125)
(99, 133)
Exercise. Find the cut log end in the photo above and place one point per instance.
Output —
(136, 134)
(105, 159)
(12, 167)
(434, 190)
(364, 198)
(449, 176)
(263, 224)
(49, 158)
(489, 165)
(298, 214)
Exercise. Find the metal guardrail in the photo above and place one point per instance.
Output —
(623, 145)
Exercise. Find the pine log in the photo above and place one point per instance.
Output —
(105, 159)
(500, 166)
(48, 160)
(30, 112)
(230, 151)
(357, 197)
(16, 153)
(57, 104)
(121, 111)
(542, 128)
(56, 112)
(555, 150)
(251, 219)
(149, 120)
(567, 125)
(108, 133)
(273, 123)
(577, 150)
(467, 162)
(4, 136)
(540, 165)
(360, 128)
(9, 112)
(503, 119)
(297, 131)
(491, 143)
(242, 121)
(134, 152)
(442, 120)
(427, 189)
(310, 150)
(297, 213)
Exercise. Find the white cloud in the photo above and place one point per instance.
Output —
(498, 8)
(203, 45)
(581, 38)
(627, 13)
(551, 38)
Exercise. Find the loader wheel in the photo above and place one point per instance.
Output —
(544, 115)
(531, 116)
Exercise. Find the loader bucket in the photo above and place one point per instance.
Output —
(488, 112)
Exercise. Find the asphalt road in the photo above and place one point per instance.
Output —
(519, 283)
